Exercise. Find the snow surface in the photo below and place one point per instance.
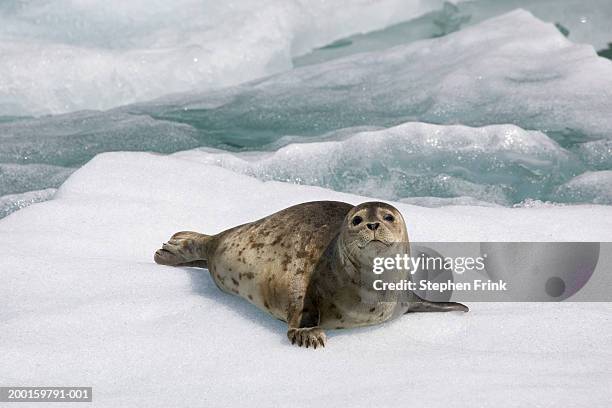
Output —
(82, 303)
(65, 55)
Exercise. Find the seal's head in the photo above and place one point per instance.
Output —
(369, 231)
(373, 226)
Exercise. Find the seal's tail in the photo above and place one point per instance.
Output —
(422, 305)
(185, 248)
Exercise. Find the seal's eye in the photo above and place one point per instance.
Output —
(389, 218)
(357, 220)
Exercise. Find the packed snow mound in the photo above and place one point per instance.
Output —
(83, 303)
(511, 69)
(61, 55)
(500, 164)
(132, 189)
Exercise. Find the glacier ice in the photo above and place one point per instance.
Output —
(582, 21)
(500, 164)
(37, 154)
(590, 187)
(596, 154)
(19, 178)
(69, 140)
(587, 21)
(513, 69)
(10, 203)
(433, 24)
(61, 55)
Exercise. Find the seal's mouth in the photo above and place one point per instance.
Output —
(378, 241)
(373, 243)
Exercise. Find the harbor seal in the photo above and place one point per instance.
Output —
(303, 264)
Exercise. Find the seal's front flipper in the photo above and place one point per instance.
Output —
(422, 305)
(303, 320)
(185, 248)
(307, 336)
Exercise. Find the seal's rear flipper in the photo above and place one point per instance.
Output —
(185, 248)
(422, 305)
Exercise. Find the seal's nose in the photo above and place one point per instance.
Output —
(373, 225)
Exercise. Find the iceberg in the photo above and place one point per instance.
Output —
(590, 187)
(19, 178)
(582, 22)
(596, 154)
(71, 140)
(12, 202)
(585, 22)
(83, 303)
(40, 154)
(513, 69)
(501, 164)
(61, 56)
(433, 24)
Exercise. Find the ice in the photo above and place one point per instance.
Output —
(19, 178)
(24, 184)
(12, 202)
(63, 55)
(511, 69)
(433, 24)
(590, 187)
(597, 154)
(586, 21)
(82, 303)
(40, 153)
(434, 202)
(500, 164)
(582, 21)
(69, 140)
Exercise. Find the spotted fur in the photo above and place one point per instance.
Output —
(300, 264)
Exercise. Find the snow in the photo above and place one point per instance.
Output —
(477, 130)
(64, 55)
(82, 303)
